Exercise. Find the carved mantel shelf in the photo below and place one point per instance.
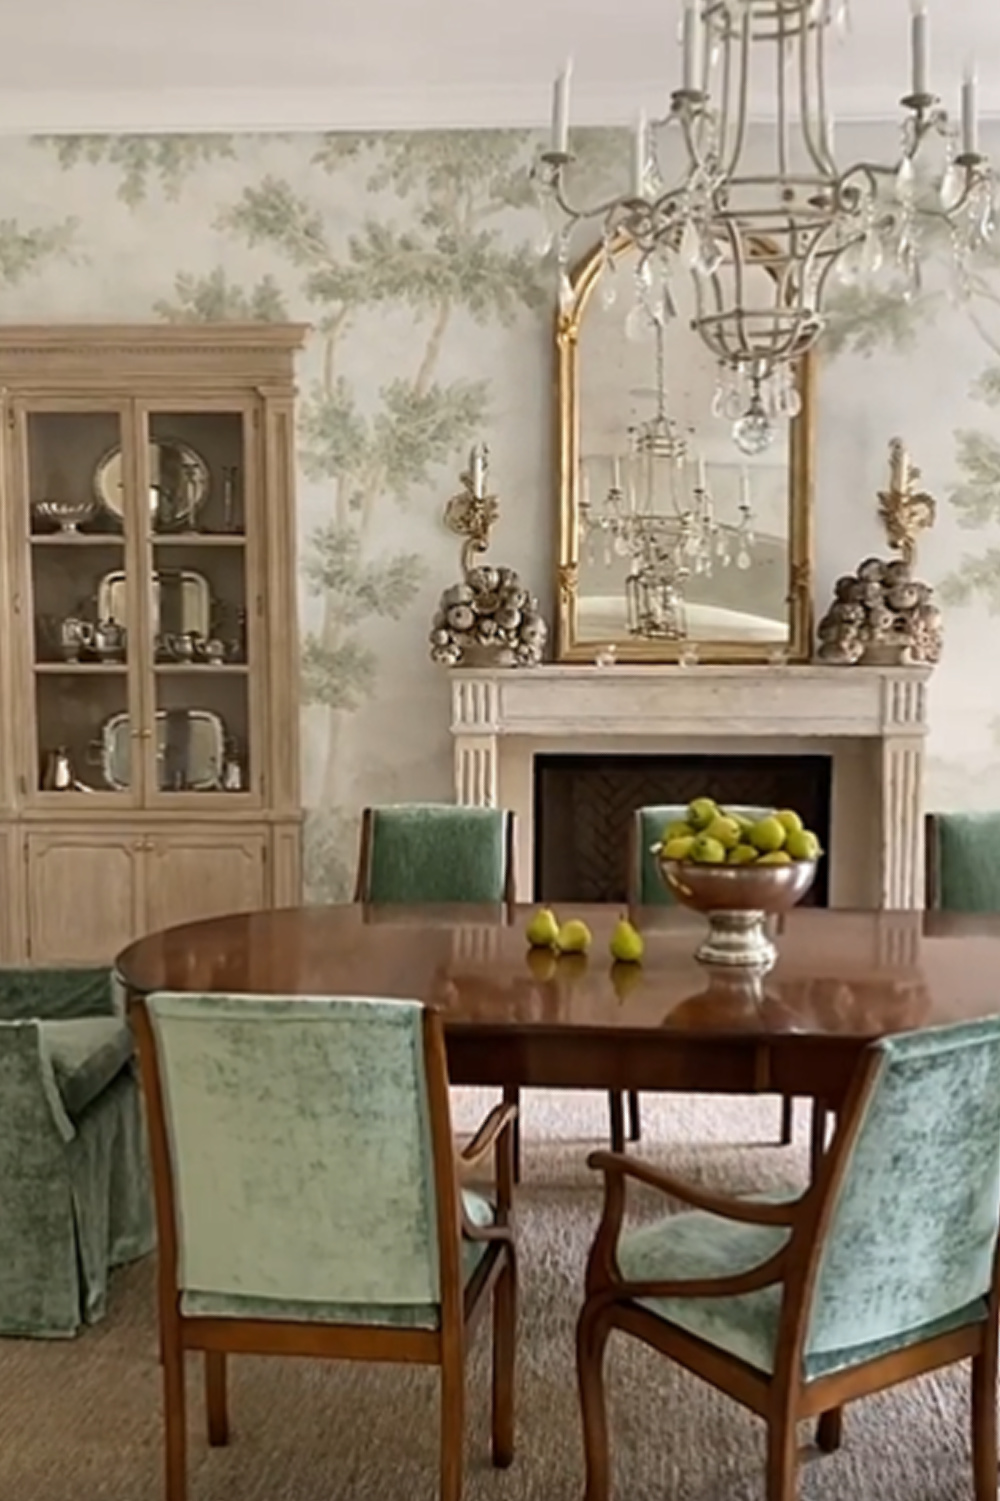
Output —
(871, 720)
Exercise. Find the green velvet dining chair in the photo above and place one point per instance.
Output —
(646, 888)
(309, 1201)
(963, 862)
(886, 1269)
(421, 853)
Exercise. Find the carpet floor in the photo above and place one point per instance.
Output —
(80, 1420)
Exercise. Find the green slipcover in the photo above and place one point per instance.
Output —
(74, 1184)
(911, 1241)
(968, 861)
(438, 852)
(650, 822)
(299, 1139)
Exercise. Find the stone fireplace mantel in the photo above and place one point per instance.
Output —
(872, 721)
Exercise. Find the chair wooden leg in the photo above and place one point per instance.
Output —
(787, 1120)
(830, 1430)
(174, 1421)
(782, 1458)
(215, 1398)
(591, 1342)
(984, 1423)
(616, 1110)
(504, 1347)
(452, 1423)
(512, 1096)
(634, 1116)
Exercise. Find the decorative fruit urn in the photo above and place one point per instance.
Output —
(738, 869)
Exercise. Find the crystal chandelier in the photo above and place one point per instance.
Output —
(659, 514)
(791, 210)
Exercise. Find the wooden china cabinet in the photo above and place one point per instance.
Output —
(148, 661)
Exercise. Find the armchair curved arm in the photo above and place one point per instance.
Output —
(751, 1212)
(496, 1134)
(498, 1120)
(766, 1274)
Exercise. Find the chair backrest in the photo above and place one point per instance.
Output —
(436, 852)
(912, 1222)
(299, 1141)
(646, 888)
(963, 862)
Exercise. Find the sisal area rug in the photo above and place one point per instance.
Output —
(80, 1421)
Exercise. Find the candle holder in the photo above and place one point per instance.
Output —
(488, 619)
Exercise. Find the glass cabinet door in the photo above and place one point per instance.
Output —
(195, 472)
(77, 535)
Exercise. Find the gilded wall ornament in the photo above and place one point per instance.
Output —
(488, 619)
(881, 616)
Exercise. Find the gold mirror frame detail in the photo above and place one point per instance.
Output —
(800, 509)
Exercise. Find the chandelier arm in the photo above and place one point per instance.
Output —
(781, 68)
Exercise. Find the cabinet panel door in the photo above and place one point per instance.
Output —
(84, 896)
(191, 876)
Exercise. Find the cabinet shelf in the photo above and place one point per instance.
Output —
(201, 669)
(77, 539)
(96, 669)
(198, 539)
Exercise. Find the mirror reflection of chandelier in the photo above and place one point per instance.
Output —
(785, 205)
(658, 516)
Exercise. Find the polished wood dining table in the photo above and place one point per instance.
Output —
(519, 1017)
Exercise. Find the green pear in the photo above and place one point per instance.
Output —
(542, 931)
(574, 937)
(626, 943)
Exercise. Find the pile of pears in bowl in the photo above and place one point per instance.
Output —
(737, 866)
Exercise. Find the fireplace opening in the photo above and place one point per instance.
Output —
(583, 806)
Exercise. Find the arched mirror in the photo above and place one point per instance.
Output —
(675, 542)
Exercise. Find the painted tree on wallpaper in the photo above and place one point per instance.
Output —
(866, 321)
(440, 253)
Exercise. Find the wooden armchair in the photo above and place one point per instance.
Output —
(886, 1269)
(309, 1202)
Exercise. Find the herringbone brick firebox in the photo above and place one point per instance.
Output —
(584, 806)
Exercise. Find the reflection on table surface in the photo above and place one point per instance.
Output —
(848, 974)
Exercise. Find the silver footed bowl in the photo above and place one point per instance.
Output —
(737, 900)
(68, 515)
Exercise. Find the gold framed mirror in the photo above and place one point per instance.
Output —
(674, 545)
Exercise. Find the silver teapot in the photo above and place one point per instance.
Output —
(108, 640)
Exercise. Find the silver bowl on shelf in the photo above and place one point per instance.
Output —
(737, 900)
(68, 515)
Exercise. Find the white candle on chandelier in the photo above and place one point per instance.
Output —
(970, 113)
(920, 47)
(691, 36)
(478, 466)
(560, 110)
(745, 487)
(702, 476)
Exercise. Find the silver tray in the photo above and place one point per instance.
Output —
(179, 483)
(190, 743)
(194, 596)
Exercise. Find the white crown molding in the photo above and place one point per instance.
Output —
(263, 111)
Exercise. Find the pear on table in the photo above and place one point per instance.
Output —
(626, 943)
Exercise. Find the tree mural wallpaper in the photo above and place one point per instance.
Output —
(414, 256)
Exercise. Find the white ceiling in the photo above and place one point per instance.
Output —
(328, 64)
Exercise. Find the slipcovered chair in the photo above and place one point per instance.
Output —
(886, 1269)
(421, 853)
(74, 1185)
(308, 1201)
(647, 889)
(963, 862)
